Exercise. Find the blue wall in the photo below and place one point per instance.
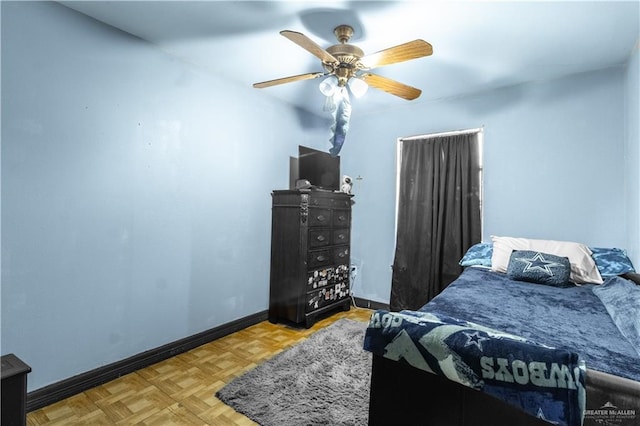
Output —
(553, 157)
(632, 155)
(136, 204)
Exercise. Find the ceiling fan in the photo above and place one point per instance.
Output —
(348, 63)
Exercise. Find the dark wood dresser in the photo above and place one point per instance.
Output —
(310, 254)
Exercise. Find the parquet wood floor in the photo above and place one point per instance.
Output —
(181, 390)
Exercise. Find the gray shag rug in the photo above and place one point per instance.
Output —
(323, 380)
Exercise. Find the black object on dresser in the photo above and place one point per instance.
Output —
(310, 254)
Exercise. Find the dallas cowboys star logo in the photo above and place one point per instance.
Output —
(474, 339)
(538, 262)
(541, 416)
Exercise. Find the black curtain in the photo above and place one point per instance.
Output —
(439, 215)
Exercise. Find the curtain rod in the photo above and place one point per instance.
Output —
(450, 133)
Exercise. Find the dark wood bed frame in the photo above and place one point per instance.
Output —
(404, 395)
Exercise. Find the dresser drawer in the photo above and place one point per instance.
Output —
(321, 202)
(326, 296)
(342, 203)
(340, 236)
(341, 217)
(319, 238)
(317, 258)
(341, 255)
(319, 217)
(330, 275)
(320, 278)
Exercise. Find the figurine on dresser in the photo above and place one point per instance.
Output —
(347, 184)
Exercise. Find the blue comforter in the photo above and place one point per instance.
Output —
(572, 318)
(524, 343)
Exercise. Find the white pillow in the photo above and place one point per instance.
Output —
(583, 267)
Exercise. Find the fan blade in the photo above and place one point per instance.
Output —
(291, 79)
(311, 46)
(403, 52)
(391, 86)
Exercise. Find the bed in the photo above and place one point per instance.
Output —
(505, 345)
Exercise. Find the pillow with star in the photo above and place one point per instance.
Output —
(540, 268)
(583, 267)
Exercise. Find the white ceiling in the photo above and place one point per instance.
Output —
(478, 45)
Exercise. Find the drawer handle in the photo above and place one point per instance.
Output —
(341, 255)
(320, 238)
(321, 258)
(321, 218)
(341, 236)
(342, 218)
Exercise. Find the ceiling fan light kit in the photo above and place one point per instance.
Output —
(347, 66)
(358, 87)
(328, 85)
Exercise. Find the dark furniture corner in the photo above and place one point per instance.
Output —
(310, 254)
(14, 390)
(635, 277)
(404, 395)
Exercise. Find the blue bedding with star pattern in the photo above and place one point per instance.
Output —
(528, 344)
(542, 381)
